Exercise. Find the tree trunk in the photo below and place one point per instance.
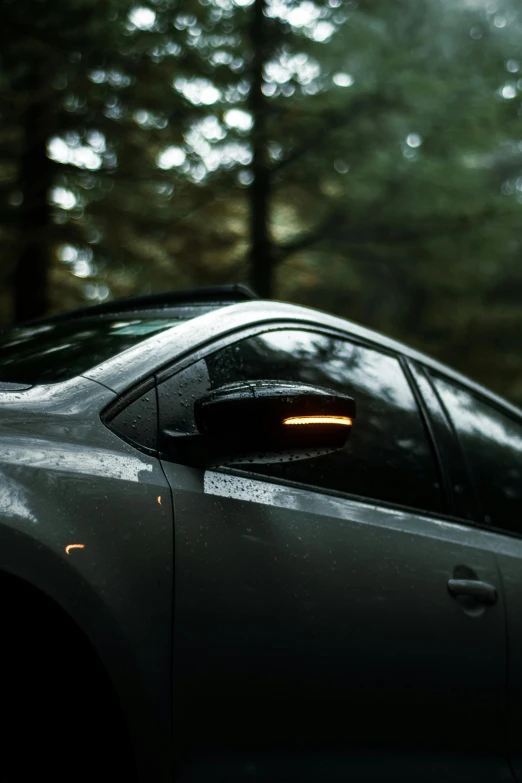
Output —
(261, 272)
(31, 274)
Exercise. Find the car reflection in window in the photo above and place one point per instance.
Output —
(492, 442)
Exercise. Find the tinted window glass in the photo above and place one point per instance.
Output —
(388, 456)
(492, 442)
(56, 351)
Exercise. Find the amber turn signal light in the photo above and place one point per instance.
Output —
(342, 420)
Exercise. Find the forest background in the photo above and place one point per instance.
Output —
(360, 156)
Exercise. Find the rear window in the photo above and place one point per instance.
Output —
(50, 352)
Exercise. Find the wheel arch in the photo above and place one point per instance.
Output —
(41, 639)
(44, 599)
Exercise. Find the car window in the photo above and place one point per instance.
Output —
(492, 443)
(58, 350)
(388, 455)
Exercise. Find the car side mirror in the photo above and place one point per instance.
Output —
(267, 421)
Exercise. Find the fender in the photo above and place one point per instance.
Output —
(114, 506)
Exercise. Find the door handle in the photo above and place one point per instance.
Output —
(482, 592)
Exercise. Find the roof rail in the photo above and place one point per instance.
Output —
(218, 294)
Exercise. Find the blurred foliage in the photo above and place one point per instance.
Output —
(361, 157)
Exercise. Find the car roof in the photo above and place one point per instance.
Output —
(141, 361)
(158, 304)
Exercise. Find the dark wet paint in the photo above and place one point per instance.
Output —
(309, 627)
(315, 637)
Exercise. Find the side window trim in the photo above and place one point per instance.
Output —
(264, 327)
(115, 416)
(430, 434)
(496, 405)
(463, 496)
(458, 441)
(362, 499)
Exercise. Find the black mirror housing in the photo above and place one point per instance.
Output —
(267, 421)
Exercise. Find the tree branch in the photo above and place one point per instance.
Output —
(363, 105)
(379, 234)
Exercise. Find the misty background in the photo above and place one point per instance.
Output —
(360, 156)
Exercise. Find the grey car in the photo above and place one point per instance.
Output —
(195, 590)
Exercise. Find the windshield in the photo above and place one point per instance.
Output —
(56, 351)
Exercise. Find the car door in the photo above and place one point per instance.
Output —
(491, 437)
(315, 638)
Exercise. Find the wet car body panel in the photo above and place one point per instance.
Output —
(270, 626)
(311, 627)
(65, 479)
